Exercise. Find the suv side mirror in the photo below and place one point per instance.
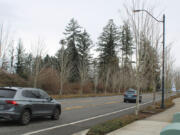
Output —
(49, 98)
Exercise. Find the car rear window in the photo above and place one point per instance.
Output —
(6, 93)
(131, 92)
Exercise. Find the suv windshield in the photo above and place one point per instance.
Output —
(7, 93)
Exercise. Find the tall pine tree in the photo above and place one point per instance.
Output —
(20, 64)
(127, 52)
(72, 33)
(84, 46)
(108, 60)
(127, 46)
(108, 42)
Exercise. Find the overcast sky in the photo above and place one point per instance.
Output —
(31, 19)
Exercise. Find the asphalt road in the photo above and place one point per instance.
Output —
(77, 114)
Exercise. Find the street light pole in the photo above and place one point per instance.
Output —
(163, 56)
(163, 50)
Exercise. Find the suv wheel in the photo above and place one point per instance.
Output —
(56, 113)
(25, 117)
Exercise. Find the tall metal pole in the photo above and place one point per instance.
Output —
(163, 53)
(163, 59)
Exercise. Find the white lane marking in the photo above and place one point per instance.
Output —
(84, 120)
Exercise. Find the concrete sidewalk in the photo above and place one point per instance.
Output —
(152, 125)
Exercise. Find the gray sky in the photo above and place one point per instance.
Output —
(31, 19)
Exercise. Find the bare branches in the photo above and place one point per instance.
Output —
(5, 43)
(146, 36)
(38, 51)
(169, 68)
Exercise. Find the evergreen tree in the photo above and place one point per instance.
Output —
(72, 33)
(108, 60)
(108, 42)
(127, 45)
(28, 65)
(127, 52)
(84, 45)
(20, 59)
(73, 62)
(47, 61)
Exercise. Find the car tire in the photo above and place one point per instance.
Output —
(25, 117)
(56, 114)
(125, 101)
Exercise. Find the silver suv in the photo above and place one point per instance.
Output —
(22, 104)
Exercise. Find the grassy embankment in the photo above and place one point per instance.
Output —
(111, 125)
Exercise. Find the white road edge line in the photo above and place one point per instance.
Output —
(84, 120)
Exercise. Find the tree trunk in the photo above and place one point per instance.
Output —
(137, 103)
(154, 94)
(36, 73)
(81, 90)
(61, 83)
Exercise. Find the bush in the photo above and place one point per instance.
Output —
(48, 80)
(7, 79)
(105, 127)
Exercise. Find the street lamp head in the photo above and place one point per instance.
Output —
(136, 11)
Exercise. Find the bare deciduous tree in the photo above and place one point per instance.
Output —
(95, 75)
(63, 68)
(107, 79)
(83, 70)
(5, 42)
(169, 69)
(11, 54)
(38, 51)
(177, 79)
(141, 25)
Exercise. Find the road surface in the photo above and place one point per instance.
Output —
(77, 114)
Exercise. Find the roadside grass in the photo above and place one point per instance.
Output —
(84, 95)
(111, 125)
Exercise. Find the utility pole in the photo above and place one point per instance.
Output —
(163, 59)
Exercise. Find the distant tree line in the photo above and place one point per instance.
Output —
(74, 68)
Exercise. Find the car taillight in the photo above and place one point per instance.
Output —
(11, 102)
(135, 95)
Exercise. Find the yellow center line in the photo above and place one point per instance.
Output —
(90, 105)
(68, 102)
(113, 102)
(73, 107)
(84, 101)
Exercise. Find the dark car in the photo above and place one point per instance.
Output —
(131, 95)
(22, 104)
